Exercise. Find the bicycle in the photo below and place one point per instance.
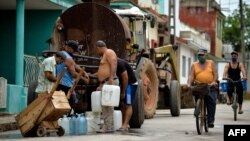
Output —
(234, 96)
(200, 91)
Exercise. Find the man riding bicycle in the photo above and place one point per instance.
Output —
(204, 71)
(232, 70)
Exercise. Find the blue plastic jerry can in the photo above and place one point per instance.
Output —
(244, 85)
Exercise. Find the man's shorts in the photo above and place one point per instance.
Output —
(130, 93)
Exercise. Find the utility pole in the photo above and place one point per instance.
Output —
(171, 22)
(243, 50)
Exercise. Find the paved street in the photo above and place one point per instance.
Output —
(163, 127)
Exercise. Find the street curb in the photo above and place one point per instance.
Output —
(7, 122)
(8, 126)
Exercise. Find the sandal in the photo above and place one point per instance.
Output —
(240, 112)
(229, 102)
(122, 129)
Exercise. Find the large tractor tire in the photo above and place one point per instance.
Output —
(175, 99)
(31, 89)
(137, 118)
(147, 73)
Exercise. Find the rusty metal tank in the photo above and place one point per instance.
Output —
(89, 22)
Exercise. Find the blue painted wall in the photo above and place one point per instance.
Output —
(7, 47)
(38, 27)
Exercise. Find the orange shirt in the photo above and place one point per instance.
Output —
(204, 75)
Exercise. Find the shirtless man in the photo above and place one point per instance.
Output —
(108, 64)
(107, 75)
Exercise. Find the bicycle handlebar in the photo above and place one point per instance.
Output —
(209, 85)
(232, 81)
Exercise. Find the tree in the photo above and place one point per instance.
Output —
(231, 28)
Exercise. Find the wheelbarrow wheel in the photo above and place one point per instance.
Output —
(41, 131)
(60, 131)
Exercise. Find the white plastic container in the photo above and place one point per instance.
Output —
(110, 95)
(65, 124)
(96, 101)
(117, 119)
(90, 125)
(93, 121)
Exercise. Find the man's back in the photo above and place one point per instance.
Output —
(122, 66)
(43, 83)
(67, 79)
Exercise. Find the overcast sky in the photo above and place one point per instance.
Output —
(228, 6)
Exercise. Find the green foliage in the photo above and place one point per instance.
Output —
(231, 28)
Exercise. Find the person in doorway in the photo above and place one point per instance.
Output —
(47, 74)
(72, 70)
(106, 74)
(126, 77)
(204, 71)
(233, 70)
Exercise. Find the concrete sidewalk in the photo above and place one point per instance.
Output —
(7, 122)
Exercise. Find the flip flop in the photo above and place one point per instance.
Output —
(122, 129)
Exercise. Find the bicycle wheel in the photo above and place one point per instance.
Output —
(198, 116)
(235, 106)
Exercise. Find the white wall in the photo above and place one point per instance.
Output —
(188, 53)
(220, 69)
(152, 33)
(196, 38)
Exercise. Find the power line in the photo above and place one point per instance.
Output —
(233, 3)
(229, 3)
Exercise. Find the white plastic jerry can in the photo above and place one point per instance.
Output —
(96, 101)
(110, 95)
(117, 119)
(93, 121)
